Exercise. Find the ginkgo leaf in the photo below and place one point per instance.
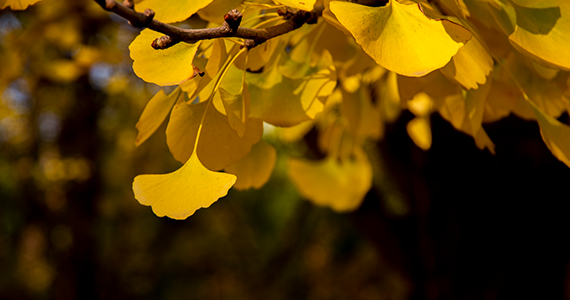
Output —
(299, 4)
(255, 169)
(219, 144)
(555, 134)
(171, 11)
(17, 4)
(458, 7)
(539, 3)
(465, 113)
(419, 131)
(179, 194)
(237, 108)
(282, 101)
(340, 185)
(541, 33)
(470, 66)
(363, 117)
(164, 67)
(400, 37)
(155, 113)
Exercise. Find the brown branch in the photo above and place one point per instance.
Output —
(230, 28)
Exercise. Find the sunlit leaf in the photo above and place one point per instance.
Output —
(237, 108)
(555, 134)
(155, 113)
(255, 169)
(299, 4)
(17, 4)
(164, 67)
(340, 185)
(465, 113)
(541, 33)
(282, 101)
(400, 37)
(179, 194)
(170, 11)
(219, 144)
(420, 132)
(363, 117)
(470, 66)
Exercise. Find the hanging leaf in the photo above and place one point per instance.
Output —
(219, 144)
(164, 67)
(283, 101)
(179, 194)
(254, 170)
(306, 5)
(541, 33)
(400, 37)
(555, 134)
(419, 131)
(155, 113)
(340, 185)
(17, 4)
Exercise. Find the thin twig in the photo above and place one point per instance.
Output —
(230, 28)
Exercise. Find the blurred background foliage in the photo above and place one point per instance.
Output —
(451, 223)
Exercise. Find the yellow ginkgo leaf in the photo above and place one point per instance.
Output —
(219, 144)
(284, 101)
(419, 131)
(556, 135)
(171, 11)
(255, 169)
(299, 4)
(363, 117)
(470, 66)
(237, 108)
(542, 33)
(155, 113)
(164, 67)
(17, 4)
(179, 194)
(465, 113)
(539, 3)
(400, 37)
(340, 185)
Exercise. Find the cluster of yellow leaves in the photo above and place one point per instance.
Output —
(471, 61)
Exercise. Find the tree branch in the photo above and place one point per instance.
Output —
(230, 28)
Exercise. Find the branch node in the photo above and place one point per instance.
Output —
(233, 19)
(164, 42)
(129, 4)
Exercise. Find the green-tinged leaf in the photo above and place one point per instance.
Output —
(299, 4)
(419, 131)
(543, 34)
(17, 4)
(179, 194)
(219, 144)
(340, 185)
(163, 67)
(282, 101)
(255, 169)
(155, 113)
(171, 11)
(555, 134)
(400, 37)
